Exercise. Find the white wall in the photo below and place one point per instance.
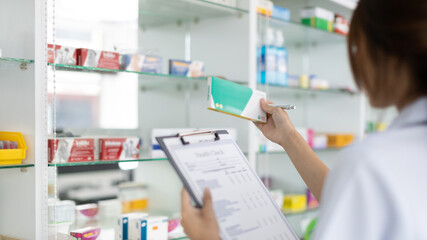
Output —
(17, 94)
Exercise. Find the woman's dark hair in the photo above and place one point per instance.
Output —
(387, 45)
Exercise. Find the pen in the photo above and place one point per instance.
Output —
(286, 107)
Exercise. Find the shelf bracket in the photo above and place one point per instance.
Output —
(24, 170)
(23, 66)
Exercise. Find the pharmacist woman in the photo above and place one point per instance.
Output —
(377, 190)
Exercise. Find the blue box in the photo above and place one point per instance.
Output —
(281, 13)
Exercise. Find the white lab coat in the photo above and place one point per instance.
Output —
(378, 188)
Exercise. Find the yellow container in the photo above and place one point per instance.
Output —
(12, 156)
(339, 140)
(294, 203)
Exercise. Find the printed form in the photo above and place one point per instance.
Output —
(242, 204)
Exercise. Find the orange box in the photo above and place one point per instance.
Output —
(339, 140)
(135, 205)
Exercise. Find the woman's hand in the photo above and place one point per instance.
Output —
(278, 127)
(199, 224)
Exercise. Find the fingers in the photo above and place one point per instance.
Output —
(207, 209)
(267, 108)
(185, 200)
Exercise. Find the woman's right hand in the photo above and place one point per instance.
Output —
(279, 127)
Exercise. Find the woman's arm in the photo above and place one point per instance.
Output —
(280, 130)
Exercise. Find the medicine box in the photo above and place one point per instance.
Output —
(150, 228)
(339, 140)
(281, 13)
(109, 208)
(341, 25)
(90, 233)
(183, 68)
(71, 150)
(123, 148)
(123, 226)
(86, 212)
(236, 100)
(141, 63)
(61, 54)
(98, 59)
(294, 203)
(318, 17)
(65, 211)
(265, 7)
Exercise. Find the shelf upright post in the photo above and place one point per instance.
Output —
(40, 161)
(253, 143)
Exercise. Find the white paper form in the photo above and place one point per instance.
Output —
(242, 204)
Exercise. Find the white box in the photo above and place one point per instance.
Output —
(235, 100)
(150, 228)
(65, 211)
(317, 12)
(123, 230)
(109, 208)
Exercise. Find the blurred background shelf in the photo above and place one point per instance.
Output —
(276, 89)
(298, 33)
(300, 213)
(155, 13)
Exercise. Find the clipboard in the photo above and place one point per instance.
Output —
(243, 206)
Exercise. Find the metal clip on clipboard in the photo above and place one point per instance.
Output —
(197, 133)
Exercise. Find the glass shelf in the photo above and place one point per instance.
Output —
(325, 150)
(16, 166)
(155, 13)
(276, 89)
(12, 62)
(296, 32)
(64, 67)
(99, 162)
(307, 211)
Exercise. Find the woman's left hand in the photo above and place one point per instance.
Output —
(199, 224)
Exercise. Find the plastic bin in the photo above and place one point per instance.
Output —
(12, 156)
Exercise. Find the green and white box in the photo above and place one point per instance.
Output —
(318, 17)
(236, 100)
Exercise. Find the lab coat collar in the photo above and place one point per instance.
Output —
(412, 115)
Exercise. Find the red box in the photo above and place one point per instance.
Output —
(71, 150)
(99, 59)
(341, 25)
(119, 148)
(64, 55)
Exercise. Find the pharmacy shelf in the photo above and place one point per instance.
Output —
(14, 62)
(16, 166)
(99, 162)
(299, 213)
(298, 33)
(278, 90)
(155, 13)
